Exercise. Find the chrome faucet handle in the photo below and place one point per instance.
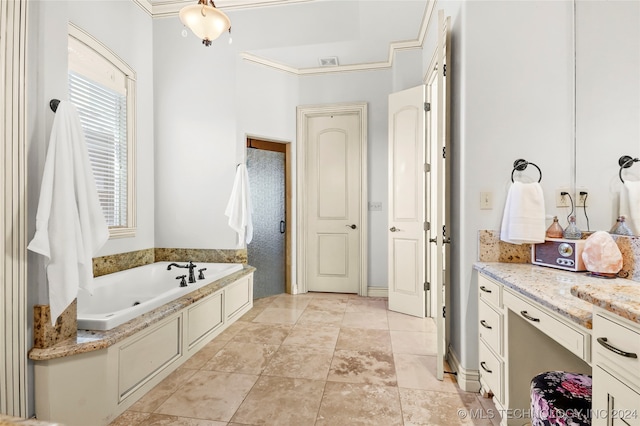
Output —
(201, 274)
(183, 282)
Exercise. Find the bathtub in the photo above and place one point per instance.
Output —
(122, 296)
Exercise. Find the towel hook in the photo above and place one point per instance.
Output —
(53, 104)
(625, 162)
(521, 164)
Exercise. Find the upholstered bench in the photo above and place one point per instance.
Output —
(560, 398)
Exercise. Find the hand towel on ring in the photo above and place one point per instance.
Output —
(523, 220)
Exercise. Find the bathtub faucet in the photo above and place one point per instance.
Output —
(191, 266)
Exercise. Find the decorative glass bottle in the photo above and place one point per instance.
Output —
(572, 232)
(621, 227)
(554, 230)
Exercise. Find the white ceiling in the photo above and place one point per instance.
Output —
(295, 34)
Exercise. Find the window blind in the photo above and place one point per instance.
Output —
(103, 115)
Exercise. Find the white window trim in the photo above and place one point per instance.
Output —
(86, 38)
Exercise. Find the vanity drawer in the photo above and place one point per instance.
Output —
(621, 344)
(559, 330)
(491, 368)
(490, 326)
(489, 291)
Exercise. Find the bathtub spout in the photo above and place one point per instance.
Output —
(176, 265)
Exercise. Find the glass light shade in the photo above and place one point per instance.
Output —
(205, 21)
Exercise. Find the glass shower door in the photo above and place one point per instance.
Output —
(266, 252)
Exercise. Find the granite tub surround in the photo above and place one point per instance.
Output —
(92, 340)
(550, 287)
(621, 297)
(119, 262)
(201, 255)
(12, 421)
(491, 249)
(44, 334)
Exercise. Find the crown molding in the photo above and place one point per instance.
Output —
(159, 9)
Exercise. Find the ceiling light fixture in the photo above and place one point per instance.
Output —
(205, 20)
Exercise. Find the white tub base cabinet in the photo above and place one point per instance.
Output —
(93, 388)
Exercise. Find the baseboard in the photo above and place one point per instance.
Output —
(468, 380)
(377, 292)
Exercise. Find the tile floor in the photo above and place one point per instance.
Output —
(313, 359)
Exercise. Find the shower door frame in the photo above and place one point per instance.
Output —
(259, 142)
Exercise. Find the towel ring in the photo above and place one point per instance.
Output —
(625, 162)
(521, 164)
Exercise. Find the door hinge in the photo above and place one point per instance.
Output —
(427, 106)
(444, 70)
(444, 312)
(427, 286)
(427, 167)
(427, 226)
(444, 152)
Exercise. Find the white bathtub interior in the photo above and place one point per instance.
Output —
(122, 296)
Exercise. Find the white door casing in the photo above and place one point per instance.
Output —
(406, 243)
(444, 184)
(332, 193)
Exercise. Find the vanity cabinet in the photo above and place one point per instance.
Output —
(616, 372)
(490, 334)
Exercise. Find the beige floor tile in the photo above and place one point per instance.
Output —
(402, 322)
(162, 391)
(231, 331)
(315, 336)
(490, 407)
(365, 304)
(359, 339)
(201, 357)
(209, 395)
(419, 372)
(281, 401)
(129, 418)
(374, 368)
(162, 420)
(413, 342)
(324, 317)
(423, 407)
(268, 334)
(359, 404)
(300, 362)
(279, 315)
(329, 305)
(298, 301)
(251, 314)
(370, 320)
(241, 357)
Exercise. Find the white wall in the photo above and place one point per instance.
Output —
(512, 98)
(126, 30)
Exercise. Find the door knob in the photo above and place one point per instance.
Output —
(394, 229)
(352, 226)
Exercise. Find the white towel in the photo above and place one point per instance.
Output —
(239, 207)
(630, 205)
(524, 215)
(70, 225)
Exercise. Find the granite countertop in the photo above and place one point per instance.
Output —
(93, 340)
(622, 297)
(561, 291)
(11, 421)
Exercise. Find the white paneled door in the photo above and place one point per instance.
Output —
(406, 236)
(333, 206)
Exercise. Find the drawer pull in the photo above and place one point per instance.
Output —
(486, 290)
(529, 317)
(485, 325)
(484, 367)
(603, 342)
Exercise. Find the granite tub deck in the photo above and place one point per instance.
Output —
(93, 340)
(562, 291)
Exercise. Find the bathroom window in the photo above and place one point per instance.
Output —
(102, 87)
